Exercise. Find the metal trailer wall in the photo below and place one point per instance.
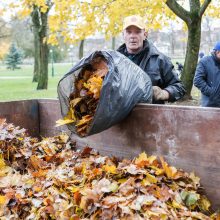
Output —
(187, 137)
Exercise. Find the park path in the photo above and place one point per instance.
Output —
(15, 77)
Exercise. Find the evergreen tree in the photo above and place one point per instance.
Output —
(14, 57)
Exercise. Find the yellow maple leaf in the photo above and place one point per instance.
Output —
(63, 122)
(171, 172)
(158, 171)
(110, 169)
(176, 205)
(194, 178)
(2, 200)
(94, 85)
(143, 160)
(141, 157)
(151, 178)
(2, 162)
(69, 118)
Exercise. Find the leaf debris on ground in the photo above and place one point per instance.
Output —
(51, 179)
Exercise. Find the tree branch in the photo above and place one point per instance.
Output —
(204, 7)
(178, 10)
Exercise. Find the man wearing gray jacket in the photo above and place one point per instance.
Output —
(166, 84)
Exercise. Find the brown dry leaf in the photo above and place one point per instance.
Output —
(85, 120)
(86, 151)
(75, 101)
(79, 83)
(101, 72)
(82, 130)
(163, 193)
(77, 197)
(99, 63)
(2, 121)
(40, 173)
(37, 163)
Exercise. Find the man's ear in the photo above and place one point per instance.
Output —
(123, 34)
(146, 34)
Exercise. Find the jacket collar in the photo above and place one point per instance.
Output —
(147, 47)
(217, 61)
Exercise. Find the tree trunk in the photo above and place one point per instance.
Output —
(192, 51)
(81, 47)
(193, 19)
(113, 43)
(44, 53)
(36, 27)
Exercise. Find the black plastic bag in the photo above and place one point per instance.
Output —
(123, 87)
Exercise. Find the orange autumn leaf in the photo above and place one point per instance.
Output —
(77, 197)
(85, 119)
(37, 188)
(143, 160)
(37, 162)
(40, 173)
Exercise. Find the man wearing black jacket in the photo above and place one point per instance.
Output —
(166, 84)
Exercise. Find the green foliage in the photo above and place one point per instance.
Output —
(58, 54)
(13, 58)
(22, 35)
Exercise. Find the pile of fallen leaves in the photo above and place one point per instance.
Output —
(85, 97)
(48, 179)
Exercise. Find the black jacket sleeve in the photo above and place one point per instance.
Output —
(200, 79)
(172, 83)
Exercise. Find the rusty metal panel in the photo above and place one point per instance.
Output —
(49, 113)
(22, 113)
(187, 137)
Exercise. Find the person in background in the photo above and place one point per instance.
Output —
(166, 84)
(201, 55)
(207, 78)
(179, 68)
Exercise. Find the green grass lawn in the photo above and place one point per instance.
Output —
(17, 84)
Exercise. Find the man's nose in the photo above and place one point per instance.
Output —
(133, 35)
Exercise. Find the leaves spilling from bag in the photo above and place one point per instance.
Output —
(85, 98)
